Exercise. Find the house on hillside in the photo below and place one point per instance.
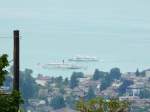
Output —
(42, 80)
(133, 90)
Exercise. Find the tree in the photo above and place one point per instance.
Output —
(145, 93)
(91, 93)
(137, 73)
(28, 86)
(115, 73)
(79, 74)
(59, 80)
(8, 102)
(124, 86)
(66, 81)
(3, 64)
(74, 79)
(106, 82)
(27, 82)
(98, 75)
(57, 102)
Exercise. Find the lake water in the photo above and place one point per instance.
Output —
(116, 32)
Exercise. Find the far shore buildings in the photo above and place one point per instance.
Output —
(42, 80)
(147, 73)
(132, 91)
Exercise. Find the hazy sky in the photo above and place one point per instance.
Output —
(59, 15)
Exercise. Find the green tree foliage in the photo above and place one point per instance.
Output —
(27, 82)
(57, 102)
(101, 105)
(91, 93)
(115, 73)
(28, 85)
(66, 81)
(74, 79)
(145, 93)
(124, 86)
(137, 73)
(140, 74)
(59, 80)
(106, 82)
(8, 102)
(98, 75)
(3, 64)
(78, 74)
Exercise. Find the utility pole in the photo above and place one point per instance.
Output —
(16, 62)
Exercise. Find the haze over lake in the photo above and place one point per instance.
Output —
(117, 32)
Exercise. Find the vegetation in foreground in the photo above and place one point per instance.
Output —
(8, 102)
(101, 105)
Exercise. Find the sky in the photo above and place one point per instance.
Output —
(120, 25)
(52, 13)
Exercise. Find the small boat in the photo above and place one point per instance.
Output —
(83, 58)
